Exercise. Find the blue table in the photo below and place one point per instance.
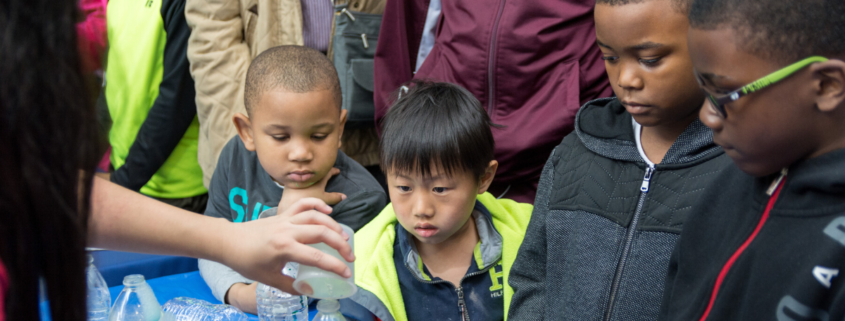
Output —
(188, 285)
(114, 265)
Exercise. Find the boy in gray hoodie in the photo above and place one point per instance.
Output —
(615, 193)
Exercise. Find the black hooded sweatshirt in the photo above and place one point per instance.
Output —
(770, 248)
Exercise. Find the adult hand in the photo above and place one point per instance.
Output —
(261, 248)
(316, 190)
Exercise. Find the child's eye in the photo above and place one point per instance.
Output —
(404, 188)
(281, 138)
(318, 137)
(439, 190)
(650, 62)
(610, 59)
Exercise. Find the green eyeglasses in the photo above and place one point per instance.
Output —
(718, 103)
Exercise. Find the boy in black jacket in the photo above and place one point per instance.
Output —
(767, 242)
(615, 193)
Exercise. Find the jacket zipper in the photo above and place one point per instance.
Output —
(629, 239)
(491, 63)
(462, 306)
(772, 192)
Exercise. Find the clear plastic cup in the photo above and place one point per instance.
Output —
(321, 284)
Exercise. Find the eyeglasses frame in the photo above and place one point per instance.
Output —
(718, 103)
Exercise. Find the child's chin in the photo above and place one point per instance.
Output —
(287, 183)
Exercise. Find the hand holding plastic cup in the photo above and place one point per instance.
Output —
(321, 284)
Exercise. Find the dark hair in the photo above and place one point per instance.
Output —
(436, 124)
(292, 68)
(49, 135)
(785, 31)
(681, 6)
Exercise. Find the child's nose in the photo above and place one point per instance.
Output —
(300, 152)
(710, 117)
(421, 207)
(628, 78)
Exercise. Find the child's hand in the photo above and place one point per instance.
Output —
(318, 190)
(242, 296)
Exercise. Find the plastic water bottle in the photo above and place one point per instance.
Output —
(189, 309)
(329, 310)
(136, 302)
(98, 293)
(276, 305)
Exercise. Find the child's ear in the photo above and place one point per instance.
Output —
(830, 93)
(244, 130)
(487, 177)
(342, 125)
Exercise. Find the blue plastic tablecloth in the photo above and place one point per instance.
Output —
(114, 265)
(188, 285)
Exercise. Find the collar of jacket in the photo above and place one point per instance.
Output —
(813, 187)
(375, 272)
(605, 128)
(490, 248)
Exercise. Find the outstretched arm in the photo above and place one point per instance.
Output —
(127, 221)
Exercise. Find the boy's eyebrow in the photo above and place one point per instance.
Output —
(642, 46)
(323, 125)
(646, 45)
(708, 77)
(433, 178)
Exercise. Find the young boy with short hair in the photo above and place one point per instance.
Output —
(615, 193)
(287, 149)
(767, 241)
(443, 248)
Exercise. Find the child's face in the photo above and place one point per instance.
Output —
(435, 208)
(764, 131)
(296, 135)
(644, 46)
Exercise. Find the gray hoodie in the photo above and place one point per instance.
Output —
(604, 223)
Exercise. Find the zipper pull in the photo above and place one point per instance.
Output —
(776, 182)
(461, 304)
(351, 17)
(647, 179)
(364, 39)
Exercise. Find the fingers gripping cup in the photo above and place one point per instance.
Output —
(321, 284)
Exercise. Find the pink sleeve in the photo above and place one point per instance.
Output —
(92, 33)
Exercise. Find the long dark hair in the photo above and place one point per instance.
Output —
(47, 155)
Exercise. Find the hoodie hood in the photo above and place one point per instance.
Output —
(604, 127)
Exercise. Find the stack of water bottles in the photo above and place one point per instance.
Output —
(188, 309)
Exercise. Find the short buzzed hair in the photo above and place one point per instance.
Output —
(681, 6)
(781, 30)
(295, 69)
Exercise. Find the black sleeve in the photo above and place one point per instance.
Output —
(173, 110)
(359, 209)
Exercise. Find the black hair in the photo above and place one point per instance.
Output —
(785, 31)
(681, 6)
(291, 68)
(436, 124)
(49, 134)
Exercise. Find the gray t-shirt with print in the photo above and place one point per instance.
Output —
(241, 189)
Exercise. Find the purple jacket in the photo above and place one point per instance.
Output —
(531, 63)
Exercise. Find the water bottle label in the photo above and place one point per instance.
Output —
(291, 269)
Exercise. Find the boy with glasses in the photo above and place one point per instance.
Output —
(615, 194)
(767, 242)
